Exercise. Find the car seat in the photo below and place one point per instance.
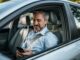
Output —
(54, 25)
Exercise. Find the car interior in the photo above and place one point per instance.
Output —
(18, 29)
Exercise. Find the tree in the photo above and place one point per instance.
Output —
(78, 1)
(3, 1)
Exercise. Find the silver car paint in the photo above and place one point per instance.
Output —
(11, 6)
(66, 53)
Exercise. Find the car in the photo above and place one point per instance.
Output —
(64, 22)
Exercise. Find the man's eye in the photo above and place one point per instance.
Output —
(38, 20)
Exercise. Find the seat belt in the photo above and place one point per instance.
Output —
(23, 32)
(38, 36)
(34, 39)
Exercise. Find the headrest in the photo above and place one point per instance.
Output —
(53, 18)
(24, 22)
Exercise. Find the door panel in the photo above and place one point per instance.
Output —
(65, 53)
(3, 37)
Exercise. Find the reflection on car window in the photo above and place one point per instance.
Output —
(76, 14)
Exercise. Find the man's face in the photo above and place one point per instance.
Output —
(39, 22)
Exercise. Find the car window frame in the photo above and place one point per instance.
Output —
(75, 34)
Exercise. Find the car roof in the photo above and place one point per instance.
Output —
(8, 7)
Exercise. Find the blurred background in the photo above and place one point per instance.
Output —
(3, 1)
(77, 1)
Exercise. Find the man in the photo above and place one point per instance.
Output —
(45, 41)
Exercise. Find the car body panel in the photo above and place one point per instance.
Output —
(11, 6)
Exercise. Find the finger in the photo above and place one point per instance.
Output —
(18, 54)
(27, 53)
(27, 50)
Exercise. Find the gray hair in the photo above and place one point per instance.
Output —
(45, 14)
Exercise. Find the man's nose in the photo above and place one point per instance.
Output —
(36, 23)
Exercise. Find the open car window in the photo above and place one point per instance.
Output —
(54, 24)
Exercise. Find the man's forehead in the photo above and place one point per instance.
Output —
(38, 16)
(38, 12)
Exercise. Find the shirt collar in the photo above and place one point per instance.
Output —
(43, 31)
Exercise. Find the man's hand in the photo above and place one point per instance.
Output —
(25, 53)
(18, 54)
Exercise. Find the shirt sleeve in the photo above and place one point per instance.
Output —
(51, 40)
(38, 46)
(45, 42)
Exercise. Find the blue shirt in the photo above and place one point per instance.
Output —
(47, 40)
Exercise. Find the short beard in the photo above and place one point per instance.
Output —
(37, 30)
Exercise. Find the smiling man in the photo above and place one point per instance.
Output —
(40, 38)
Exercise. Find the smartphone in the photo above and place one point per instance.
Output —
(20, 49)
